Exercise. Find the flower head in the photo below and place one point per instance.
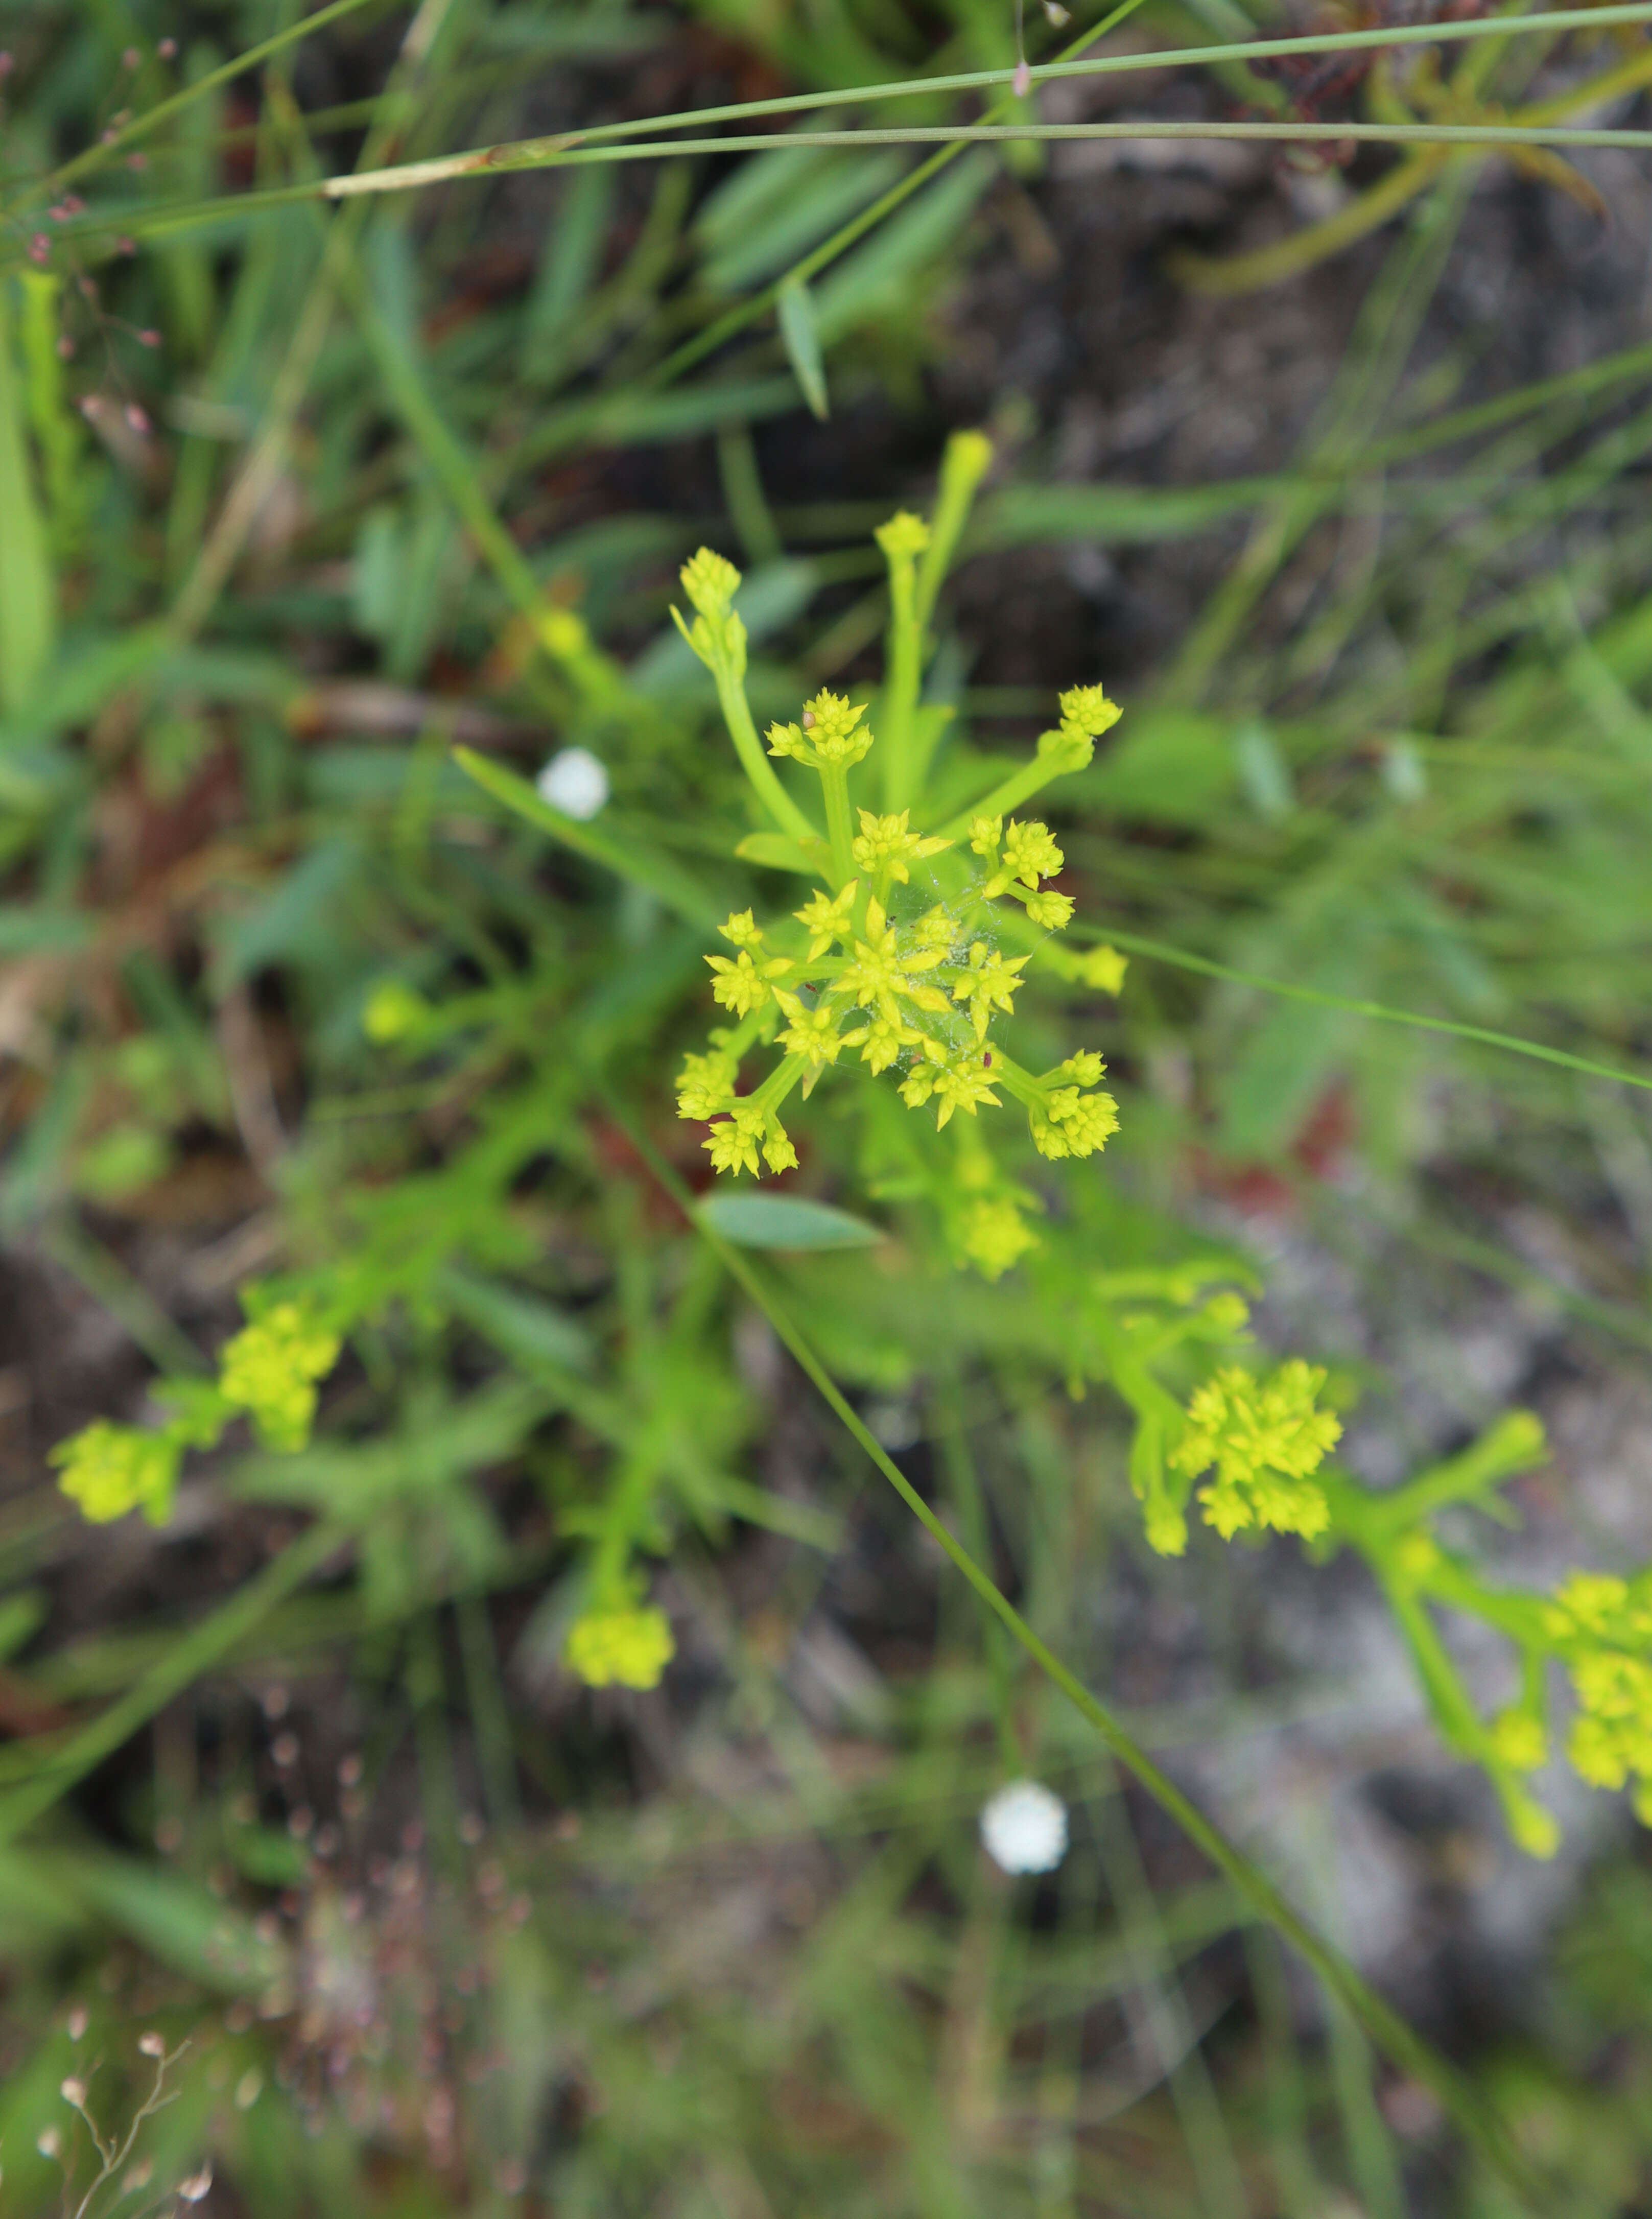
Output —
(881, 1040)
(828, 735)
(1602, 1625)
(1030, 853)
(111, 1470)
(732, 1143)
(1068, 1124)
(1518, 1739)
(1052, 911)
(737, 984)
(1265, 1438)
(741, 929)
(953, 1083)
(989, 983)
(710, 583)
(1102, 968)
(1024, 1828)
(706, 1085)
(812, 1034)
(628, 1647)
(575, 781)
(995, 1236)
(826, 917)
(1088, 710)
(1086, 713)
(903, 536)
(270, 1370)
(716, 635)
(886, 843)
(393, 1010)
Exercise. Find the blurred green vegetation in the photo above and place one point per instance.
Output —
(285, 502)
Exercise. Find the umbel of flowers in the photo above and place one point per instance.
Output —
(873, 967)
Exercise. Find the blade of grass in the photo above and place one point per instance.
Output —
(1549, 22)
(27, 588)
(656, 874)
(1161, 952)
(447, 169)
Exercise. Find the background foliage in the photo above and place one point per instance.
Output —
(296, 504)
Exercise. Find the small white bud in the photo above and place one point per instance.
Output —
(49, 2142)
(1024, 1828)
(152, 2044)
(575, 782)
(74, 2092)
(192, 2190)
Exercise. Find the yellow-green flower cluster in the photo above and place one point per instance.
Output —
(864, 968)
(1602, 1625)
(829, 735)
(919, 991)
(110, 1469)
(1266, 1438)
(630, 1648)
(995, 1236)
(716, 634)
(270, 1370)
(1086, 713)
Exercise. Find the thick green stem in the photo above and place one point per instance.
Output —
(1009, 1074)
(965, 463)
(835, 783)
(904, 672)
(736, 715)
(1019, 786)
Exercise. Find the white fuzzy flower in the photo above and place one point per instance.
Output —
(575, 782)
(1024, 1828)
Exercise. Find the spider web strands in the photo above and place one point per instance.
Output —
(1161, 952)
(1475, 2119)
(134, 221)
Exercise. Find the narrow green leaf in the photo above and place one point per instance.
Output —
(656, 874)
(28, 591)
(519, 1324)
(21, 1616)
(177, 1920)
(776, 852)
(796, 309)
(784, 1220)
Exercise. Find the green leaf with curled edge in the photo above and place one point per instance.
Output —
(795, 308)
(777, 851)
(784, 1220)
